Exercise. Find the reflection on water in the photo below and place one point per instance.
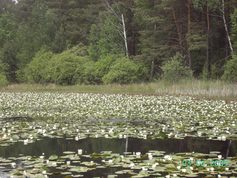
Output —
(57, 146)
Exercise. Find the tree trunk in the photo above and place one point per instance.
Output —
(208, 33)
(226, 28)
(152, 69)
(177, 28)
(125, 36)
(189, 32)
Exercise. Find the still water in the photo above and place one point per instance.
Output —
(56, 146)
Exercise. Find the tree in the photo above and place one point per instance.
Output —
(234, 28)
(156, 37)
(226, 27)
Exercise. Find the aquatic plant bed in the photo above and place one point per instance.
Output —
(178, 136)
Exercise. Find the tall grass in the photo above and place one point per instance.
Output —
(196, 88)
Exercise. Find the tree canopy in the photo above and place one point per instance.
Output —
(149, 33)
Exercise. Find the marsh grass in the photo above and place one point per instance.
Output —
(196, 88)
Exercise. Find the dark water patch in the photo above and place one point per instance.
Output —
(57, 146)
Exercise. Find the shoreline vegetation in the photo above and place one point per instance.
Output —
(199, 89)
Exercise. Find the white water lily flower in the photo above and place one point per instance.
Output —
(223, 138)
(150, 157)
(168, 157)
(44, 172)
(79, 151)
(219, 156)
(54, 164)
(226, 169)
(68, 163)
(184, 170)
(26, 141)
(154, 165)
(178, 167)
(138, 154)
(76, 138)
(13, 165)
(111, 130)
(167, 176)
(131, 165)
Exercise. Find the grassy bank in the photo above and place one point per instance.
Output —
(195, 88)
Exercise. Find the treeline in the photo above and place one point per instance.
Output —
(117, 41)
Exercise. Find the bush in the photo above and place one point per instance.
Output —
(174, 70)
(37, 70)
(103, 66)
(88, 73)
(124, 71)
(230, 71)
(3, 80)
(66, 68)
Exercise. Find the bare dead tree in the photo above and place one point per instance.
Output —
(121, 27)
(226, 27)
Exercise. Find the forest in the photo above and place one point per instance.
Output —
(71, 42)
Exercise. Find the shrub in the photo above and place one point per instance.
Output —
(3, 80)
(103, 66)
(88, 76)
(174, 70)
(66, 68)
(79, 50)
(37, 70)
(123, 71)
(230, 70)
(85, 71)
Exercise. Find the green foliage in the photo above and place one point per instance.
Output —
(63, 68)
(215, 72)
(205, 74)
(212, 4)
(79, 50)
(7, 29)
(154, 32)
(37, 70)
(174, 70)
(94, 48)
(88, 73)
(3, 80)
(230, 73)
(234, 28)
(103, 66)
(124, 71)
